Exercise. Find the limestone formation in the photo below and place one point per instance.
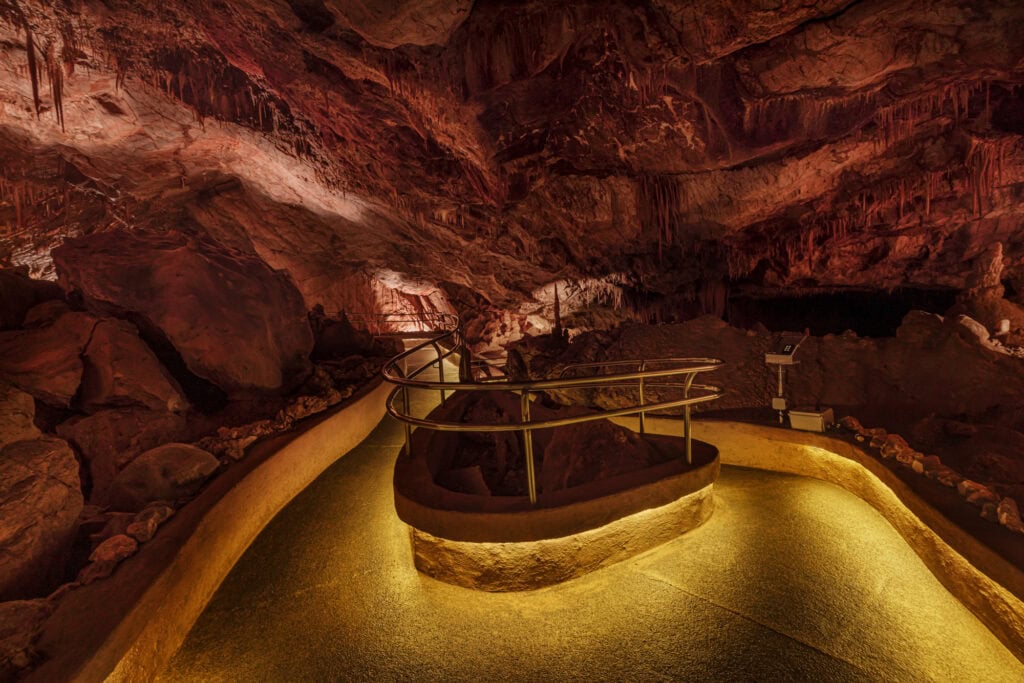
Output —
(120, 370)
(111, 439)
(234, 321)
(106, 556)
(19, 293)
(20, 623)
(46, 361)
(592, 451)
(145, 523)
(509, 145)
(1009, 515)
(165, 473)
(40, 500)
(17, 413)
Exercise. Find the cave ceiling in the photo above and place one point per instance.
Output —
(492, 147)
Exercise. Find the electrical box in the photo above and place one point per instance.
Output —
(811, 420)
(783, 348)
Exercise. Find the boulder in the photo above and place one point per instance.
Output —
(120, 370)
(116, 524)
(114, 549)
(894, 445)
(20, 624)
(106, 556)
(1009, 515)
(40, 501)
(168, 472)
(974, 329)
(111, 439)
(975, 493)
(921, 329)
(19, 293)
(46, 361)
(235, 321)
(851, 423)
(17, 412)
(946, 476)
(145, 523)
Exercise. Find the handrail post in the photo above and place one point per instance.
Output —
(686, 419)
(440, 368)
(531, 479)
(643, 415)
(407, 409)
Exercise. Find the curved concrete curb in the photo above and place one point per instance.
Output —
(127, 628)
(527, 565)
(987, 584)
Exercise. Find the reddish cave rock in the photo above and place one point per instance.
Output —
(40, 500)
(165, 473)
(592, 451)
(111, 439)
(17, 415)
(121, 371)
(800, 145)
(46, 361)
(20, 624)
(234, 321)
(19, 293)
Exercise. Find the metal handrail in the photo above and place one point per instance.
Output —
(449, 334)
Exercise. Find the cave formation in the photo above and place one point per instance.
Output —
(201, 202)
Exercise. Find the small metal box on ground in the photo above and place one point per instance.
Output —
(811, 420)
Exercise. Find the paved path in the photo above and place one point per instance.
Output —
(791, 579)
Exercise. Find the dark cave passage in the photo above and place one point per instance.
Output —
(868, 313)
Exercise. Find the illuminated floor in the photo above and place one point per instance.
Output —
(791, 579)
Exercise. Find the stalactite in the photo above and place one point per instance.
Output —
(814, 113)
(660, 209)
(984, 164)
(69, 47)
(55, 75)
(898, 121)
(33, 67)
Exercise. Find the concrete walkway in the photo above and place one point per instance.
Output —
(791, 579)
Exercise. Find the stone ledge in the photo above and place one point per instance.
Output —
(128, 628)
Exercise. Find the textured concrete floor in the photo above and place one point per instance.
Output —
(791, 579)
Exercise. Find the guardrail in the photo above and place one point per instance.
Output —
(447, 341)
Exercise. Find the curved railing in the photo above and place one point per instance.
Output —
(446, 341)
